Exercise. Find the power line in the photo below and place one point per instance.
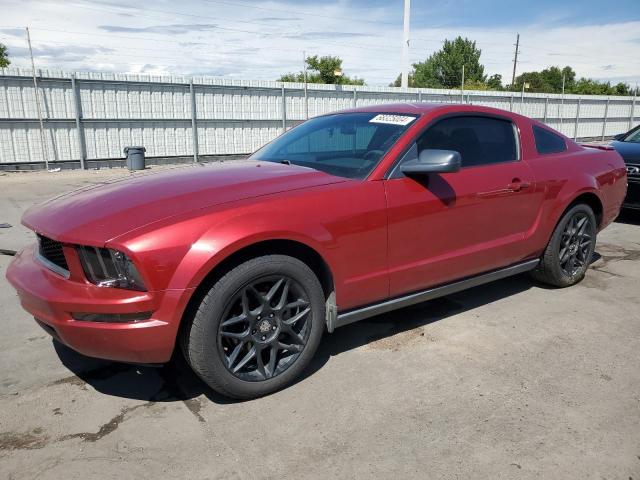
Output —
(250, 22)
(104, 52)
(212, 26)
(146, 58)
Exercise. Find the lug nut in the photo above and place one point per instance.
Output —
(264, 338)
(259, 317)
(273, 328)
(271, 315)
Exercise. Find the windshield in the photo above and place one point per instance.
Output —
(347, 144)
(634, 136)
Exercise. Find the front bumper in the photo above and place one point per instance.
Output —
(51, 299)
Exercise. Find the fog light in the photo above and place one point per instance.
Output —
(111, 317)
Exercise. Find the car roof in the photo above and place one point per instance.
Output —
(421, 108)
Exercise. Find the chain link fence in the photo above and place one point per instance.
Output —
(93, 116)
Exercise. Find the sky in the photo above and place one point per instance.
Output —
(260, 40)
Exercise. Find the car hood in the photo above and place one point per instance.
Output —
(628, 150)
(98, 213)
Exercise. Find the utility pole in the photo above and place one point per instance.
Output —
(35, 87)
(405, 45)
(306, 93)
(515, 60)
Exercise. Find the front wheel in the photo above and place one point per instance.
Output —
(568, 254)
(257, 328)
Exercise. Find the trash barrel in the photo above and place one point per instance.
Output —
(135, 157)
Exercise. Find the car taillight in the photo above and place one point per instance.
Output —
(106, 267)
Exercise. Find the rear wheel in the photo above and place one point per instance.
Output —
(257, 328)
(568, 254)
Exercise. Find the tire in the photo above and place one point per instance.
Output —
(568, 253)
(258, 307)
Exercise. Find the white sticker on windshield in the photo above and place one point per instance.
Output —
(392, 119)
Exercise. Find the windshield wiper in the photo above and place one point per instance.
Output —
(285, 161)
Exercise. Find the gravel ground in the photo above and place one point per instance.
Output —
(507, 380)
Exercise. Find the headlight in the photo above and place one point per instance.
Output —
(110, 268)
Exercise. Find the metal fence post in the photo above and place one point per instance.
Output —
(194, 121)
(82, 146)
(604, 123)
(633, 112)
(546, 108)
(355, 98)
(511, 103)
(575, 128)
(419, 96)
(284, 111)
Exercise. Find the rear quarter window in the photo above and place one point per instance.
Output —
(547, 141)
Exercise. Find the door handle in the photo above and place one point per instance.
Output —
(516, 185)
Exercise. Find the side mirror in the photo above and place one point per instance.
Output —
(433, 161)
(620, 136)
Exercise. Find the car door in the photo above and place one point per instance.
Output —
(452, 225)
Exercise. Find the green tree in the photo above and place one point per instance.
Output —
(622, 89)
(322, 70)
(443, 69)
(4, 57)
(548, 80)
(589, 86)
(476, 85)
(494, 82)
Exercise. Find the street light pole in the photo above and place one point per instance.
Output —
(405, 45)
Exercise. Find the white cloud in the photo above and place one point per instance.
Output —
(219, 38)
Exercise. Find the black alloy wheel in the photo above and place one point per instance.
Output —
(568, 253)
(575, 244)
(265, 327)
(257, 328)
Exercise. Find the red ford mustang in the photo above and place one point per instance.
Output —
(349, 215)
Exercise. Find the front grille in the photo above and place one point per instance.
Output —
(52, 251)
(633, 172)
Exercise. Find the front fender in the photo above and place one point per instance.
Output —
(228, 232)
(345, 224)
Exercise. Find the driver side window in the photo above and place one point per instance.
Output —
(479, 140)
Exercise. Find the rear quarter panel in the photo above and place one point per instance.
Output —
(566, 176)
